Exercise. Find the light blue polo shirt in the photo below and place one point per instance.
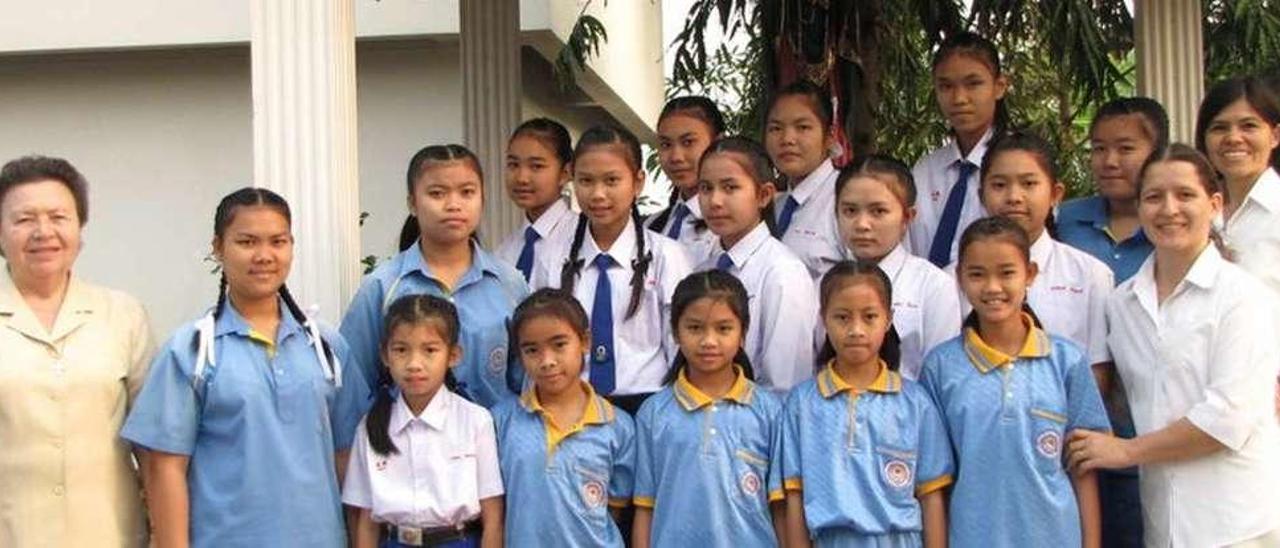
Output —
(1082, 223)
(1008, 418)
(702, 465)
(861, 458)
(261, 432)
(561, 481)
(485, 296)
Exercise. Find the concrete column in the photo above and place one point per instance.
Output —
(1170, 56)
(491, 94)
(304, 139)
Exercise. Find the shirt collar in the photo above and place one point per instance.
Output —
(1205, 269)
(810, 184)
(230, 321)
(549, 220)
(975, 155)
(690, 398)
(433, 415)
(830, 384)
(77, 307)
(985, 358)
(1266, 191)
(1092, 211)
(622, 251)
(598, 411)
(695, 208)
(747, 247)
(481, 263)
(1041, 249)
(892, 263)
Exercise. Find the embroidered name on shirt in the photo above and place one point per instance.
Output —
(1073, 289)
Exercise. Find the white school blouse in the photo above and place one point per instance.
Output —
(813, 234)
(783, 306)
(935, 174)
(1253, 231)
(447, 462)
(699, 243)
(555, 225)
(1207, 353)
(926, 307)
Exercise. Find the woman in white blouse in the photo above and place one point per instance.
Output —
(1193, 337)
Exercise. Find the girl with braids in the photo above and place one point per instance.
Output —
(687, 125)
(539, 163)
(424, 467)
(623, 274)
(440, 256)
(247, 413)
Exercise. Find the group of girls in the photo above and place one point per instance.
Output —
(662, 385)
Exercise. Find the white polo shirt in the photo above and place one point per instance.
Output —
(935, 174)
(926, 307)
(1209, 354)
(447, 462)
(696, 237)
(1253, 231)
(555, 225)
(813, 234)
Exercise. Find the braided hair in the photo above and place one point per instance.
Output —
(720, 286)
(845, 274)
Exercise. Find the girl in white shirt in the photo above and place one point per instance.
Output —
(686, 126)
(875, 202)
(539, 163)
(1194, 341)
(424, 467)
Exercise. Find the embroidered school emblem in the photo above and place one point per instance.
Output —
(593, 493)
(750, 482)
(897, 474)
(498, 359)
(1049, 444)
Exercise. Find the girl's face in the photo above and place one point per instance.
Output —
(1240, 141)
(681, 141)
(255, 251)
(795, 137)
(418, 357)
(967, 92)
(709, 334)
(1119, 146)
(552, 352)
(447, 201)
(606, 186)
(39, 230)
(1175, 210)
(731, 199)
(534, 174)
(856, 319)
(994, 276)
(871, 217)
(1017, 187)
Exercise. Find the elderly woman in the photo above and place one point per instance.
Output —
(72, 355)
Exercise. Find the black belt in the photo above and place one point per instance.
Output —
(432, 536)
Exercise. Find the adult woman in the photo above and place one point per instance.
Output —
(74, 356)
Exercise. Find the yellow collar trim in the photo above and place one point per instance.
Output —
(599, 411)
(264, 341)
(985, 358)
(830, 383)
(691, 398)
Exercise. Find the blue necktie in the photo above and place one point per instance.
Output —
(677, 221)
(784, 218)
(724, 263)
(940, 249)
(525, 263)
(602, 362)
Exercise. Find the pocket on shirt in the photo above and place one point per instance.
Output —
(749, 472)
(1047, 429)
(897, 470)
(592, 494)
(463, 469)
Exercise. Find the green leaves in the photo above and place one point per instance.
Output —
(584, 41)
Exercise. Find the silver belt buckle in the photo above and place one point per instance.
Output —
(411, 536)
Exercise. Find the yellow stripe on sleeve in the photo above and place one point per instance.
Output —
(793, 484)
(643, 502)
(777, 495)
(934, 484)
(618, 502)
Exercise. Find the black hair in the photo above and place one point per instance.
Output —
(842, 275)
(720, 286)
(700, 108)
(1210, 181)
(977, 47)
(819, 101)
(901, 183)
(550, 133)
(424, 159)
(1155, 121)
(1001, 229)
(549, 301)
(626, 144)
(409, 309)
(753, 159)
(33, 169)
(1255, 91)
(1030, 143)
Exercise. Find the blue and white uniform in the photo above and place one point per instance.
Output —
(936, 175)
(813, 234)
(552, 228)
(926, 307)
(693, 233)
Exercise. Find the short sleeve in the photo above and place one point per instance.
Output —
(352, 400)
(356, 490)
(936, 464)
(942, 320)
(622, 478)
(645, 482)
(788, 314)
(1102, 281)
(488, 471)
(773, 480)
(786, 462)
(1084, 403)
(165, 415)
(141, 348)
(362, 328)
(1241, 380)
(676, 265)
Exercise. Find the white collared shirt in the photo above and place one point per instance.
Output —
(555, 225)
(783, 306)
(1208, 353)
(926, 307)
(935, 175)
(643, 345)
(813, 234)
(1253, 231)
(447, 462)
(696, 237)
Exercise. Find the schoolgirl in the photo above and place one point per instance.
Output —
(539, 163)
(621, 273)
(798, 136)
(1122, 135)
(686, 126)
(247, 412)
(440, 256)
(424, 467)
(1009, 393)
(864, 456)
(567, 454)
(1194, 340)
(703, 444)
(970, 88)
(875, 203)
(736, 191)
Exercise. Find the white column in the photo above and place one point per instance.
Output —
(304, 139)
(1170, 56)
(491, 94)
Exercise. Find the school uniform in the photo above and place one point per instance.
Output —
(861, 458)
(1009, 417)
(1206, 354)
(806, 218)
(260, 423)
(522, 248)
(702, 465)
(446, 463)
(937, 176)
(926, 307)
(640, 349)
(685, 224)
(782, 303)
(1253, 231)
(1084, 225)
(562, 481)
(485, 296)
